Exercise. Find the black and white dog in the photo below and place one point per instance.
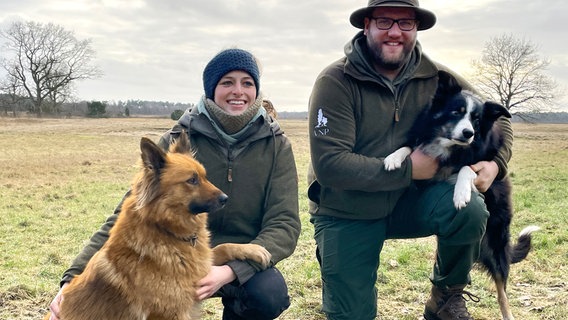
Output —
(458, 129)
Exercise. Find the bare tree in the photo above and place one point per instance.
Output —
(511, 72)
(46, 61)
(12, 96)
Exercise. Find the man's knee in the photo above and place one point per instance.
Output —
(466, 225)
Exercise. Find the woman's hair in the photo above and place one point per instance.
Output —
(269, 107)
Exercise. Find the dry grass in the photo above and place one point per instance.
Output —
(59, 180)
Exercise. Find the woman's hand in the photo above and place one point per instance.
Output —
(54, 305)
(214, 280)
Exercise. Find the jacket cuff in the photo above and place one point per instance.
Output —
(503, 168)
(66, 279)
(242, 270)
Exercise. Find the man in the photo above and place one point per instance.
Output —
(361, 109)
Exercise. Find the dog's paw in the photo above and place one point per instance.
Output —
(461, 198)
(464, 186)
(260, 255)
(241, 251)
(394, 160)
(391, 163)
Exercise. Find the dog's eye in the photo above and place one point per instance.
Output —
(456, 113)
(194, 180)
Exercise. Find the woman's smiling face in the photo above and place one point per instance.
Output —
(235, 92)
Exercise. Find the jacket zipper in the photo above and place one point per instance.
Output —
(230, 165)
(230, 174)
(396, 94)
(396, 112)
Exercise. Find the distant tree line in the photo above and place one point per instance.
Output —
(97, 109)
(136, 108)
(541, 117)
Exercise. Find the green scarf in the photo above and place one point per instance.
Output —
(229, 126)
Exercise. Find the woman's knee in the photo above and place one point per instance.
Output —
(267, 294)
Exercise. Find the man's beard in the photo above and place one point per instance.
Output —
(393, 63)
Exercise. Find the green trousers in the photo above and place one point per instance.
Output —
(349, 250)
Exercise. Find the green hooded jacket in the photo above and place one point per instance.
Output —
(357, 118)
(257, 172)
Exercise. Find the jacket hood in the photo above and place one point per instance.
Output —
(359, 63)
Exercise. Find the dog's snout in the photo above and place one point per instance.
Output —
(467, 133)
(212, 204)
(223, 199)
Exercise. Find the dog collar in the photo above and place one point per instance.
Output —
(192, 239)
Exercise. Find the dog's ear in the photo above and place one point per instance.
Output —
(447, 83)
(181, 144)
(147, 185)
(153, 157)
(447, 87)
(493, 110)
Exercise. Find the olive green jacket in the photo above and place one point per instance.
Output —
(257, 172)
(357, 118)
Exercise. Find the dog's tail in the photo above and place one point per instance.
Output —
(520, 251)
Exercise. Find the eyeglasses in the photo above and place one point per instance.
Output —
(387, 23)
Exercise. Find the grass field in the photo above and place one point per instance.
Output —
(60, 179)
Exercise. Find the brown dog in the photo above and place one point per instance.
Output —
(159, 247)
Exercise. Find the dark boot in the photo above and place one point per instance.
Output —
(448, 304)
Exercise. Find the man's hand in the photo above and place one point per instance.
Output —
(486, 173)
(214, 280)
(423, 166)
(54, 305)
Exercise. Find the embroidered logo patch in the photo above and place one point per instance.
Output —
(321, 128)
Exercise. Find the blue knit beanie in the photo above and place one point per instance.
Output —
(226, 61)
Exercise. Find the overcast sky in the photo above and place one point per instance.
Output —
(157, 49)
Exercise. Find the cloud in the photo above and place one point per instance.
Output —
(156, 50)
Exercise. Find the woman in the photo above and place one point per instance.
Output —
(247, 156)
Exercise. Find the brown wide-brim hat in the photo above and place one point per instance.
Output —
(426, 18)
